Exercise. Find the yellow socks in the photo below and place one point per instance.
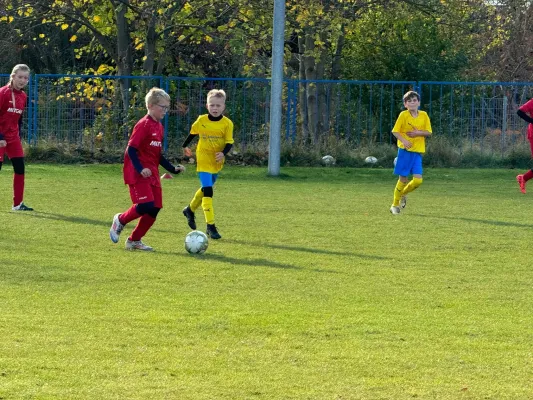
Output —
(412, 185)
(398, 193)
(209, 212)
(196, 200)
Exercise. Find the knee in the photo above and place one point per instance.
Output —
(18, 165)
(208, 191)
(153, 212)
(417, 182)
(145, 208)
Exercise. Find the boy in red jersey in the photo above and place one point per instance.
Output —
(141, 172)
(12, 103)
(216, 139)
(526, 112)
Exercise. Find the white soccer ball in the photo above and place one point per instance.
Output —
(328, 160)
(196, 242)
(371, 160)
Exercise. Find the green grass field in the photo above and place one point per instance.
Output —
(315, 291)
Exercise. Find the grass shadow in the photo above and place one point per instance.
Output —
(255, 262)
(81, 220)
(480, 221)
(306, 249)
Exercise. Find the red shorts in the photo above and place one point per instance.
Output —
(13, 148)
(143, 192)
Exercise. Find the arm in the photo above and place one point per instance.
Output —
(132, 153)
(418, 132)
(186, 150)
(221, 154)
(407, 144)
(169, 166)
(524, 116)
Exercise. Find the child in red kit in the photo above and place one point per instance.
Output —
(141, 172)
(12, 103)
(526, 112)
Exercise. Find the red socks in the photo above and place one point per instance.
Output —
(129, 215)
(528, 175)
(18, 189)
(142, 227)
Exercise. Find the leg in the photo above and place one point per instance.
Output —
(522, 180)
(416, 167)
(18, 185)
(415, 183)
(148, 211)
(191, 208)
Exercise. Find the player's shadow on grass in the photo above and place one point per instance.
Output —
(67, 218)
(481, 221)
(79, 220)
(253, 262)
(307, 249)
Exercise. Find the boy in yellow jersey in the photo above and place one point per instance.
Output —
(411, 129)
(215, 133)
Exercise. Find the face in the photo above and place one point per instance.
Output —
(20, 79)
(216, 106)
(159, 110)
(412, 104)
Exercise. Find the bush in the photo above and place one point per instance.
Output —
(441, 153)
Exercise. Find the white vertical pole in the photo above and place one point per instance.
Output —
(276, 87)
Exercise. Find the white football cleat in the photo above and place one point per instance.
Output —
(116, 229)
(21, 207)
(137, 245)
(395, 210)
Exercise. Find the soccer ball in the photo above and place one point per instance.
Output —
(196, 242)
(328, 160)
(371, 160)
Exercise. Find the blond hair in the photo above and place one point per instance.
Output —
(17, 68)
(155, 95)
(217, 93)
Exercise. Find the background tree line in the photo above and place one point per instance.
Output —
(325, 39)
(415, 40)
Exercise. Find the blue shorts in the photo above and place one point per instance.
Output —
(207, 179)
(408, 163)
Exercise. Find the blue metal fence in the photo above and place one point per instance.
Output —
(96, 111)
(480, 115)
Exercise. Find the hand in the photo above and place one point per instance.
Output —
(407, 144)
(412, 133)
(146, 173)
(179, 168)
(219, 156)
(3, 143)
(187, 152)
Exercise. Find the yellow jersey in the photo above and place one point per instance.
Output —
(213, 137)
(406, 122)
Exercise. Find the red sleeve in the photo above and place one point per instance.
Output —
(527, 107)
(140, 131)
(3, 100)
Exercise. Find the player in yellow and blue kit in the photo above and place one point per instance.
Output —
(215, 133)
(411, 129)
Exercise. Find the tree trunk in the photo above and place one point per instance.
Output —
(302, 92)
(311, 89)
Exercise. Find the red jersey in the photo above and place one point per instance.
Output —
(528, 109)
(147, 138)
(10, 113)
